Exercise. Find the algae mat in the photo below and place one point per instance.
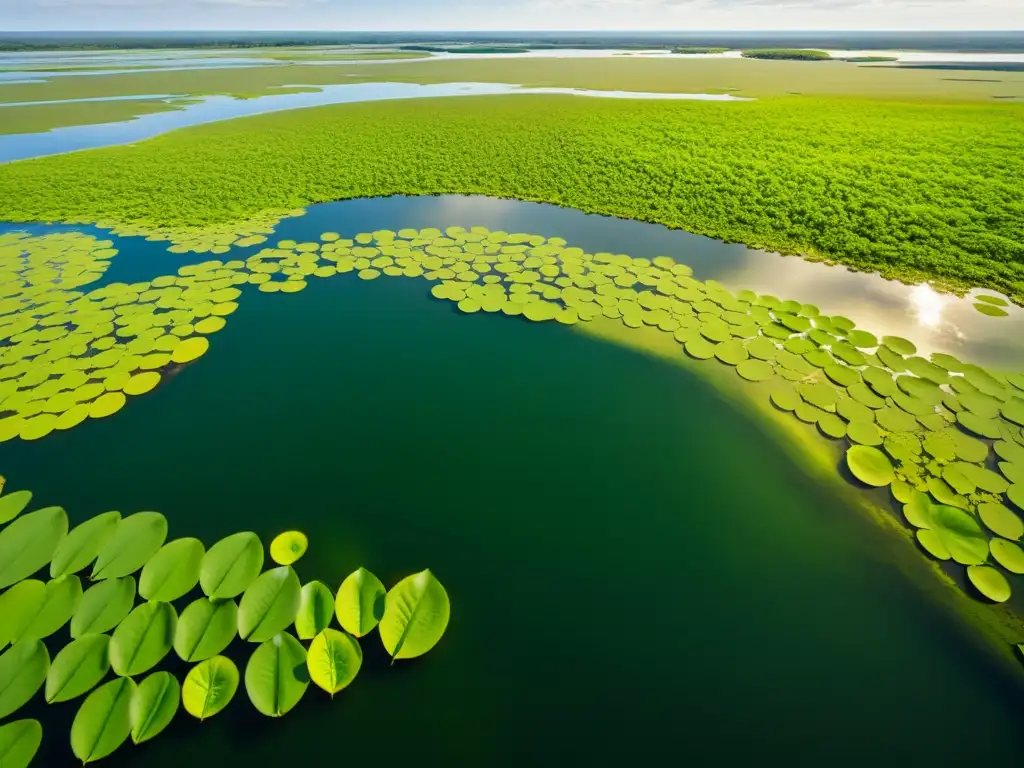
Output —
(617, 592)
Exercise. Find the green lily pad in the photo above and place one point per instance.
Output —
(895, 420)
(276, 676)
(991, 311)
(864, 433)
(103, 722)
(832, 426)
(209, 687)
(416, 612)
(141, 641)
(23, 669)
(19, 742)
(316, 610)
(865, 396)
(785, 397)
(899, 345)
(80, 547)
(333, 660)
(731, 352)
(1013, 472)
(13, 504)
(755, 370)
(1010, 451)
(989, 582)
(231, 565)
(173, 571)
(103, 606)
(961, 534)
(135, 539)
(842, 375)
(1016, 495)
(27, 544)
(820, 395)
(698, 349)
(862, 339)
(932, 544)
(153, 706)
(995, 301)
(288, 547)
(1001, 521)
(205, 628)
(269, 605)
(1008, 555)
(980, 404)
(78, 668)
(1013, 410)
(59, 602)
(869, 465)
(978, 425)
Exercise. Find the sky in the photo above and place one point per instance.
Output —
(421, 15)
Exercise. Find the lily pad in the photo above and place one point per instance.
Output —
(153, 706)
(209, 687)
(989, 582)
(205, 628)
(785, 397)
(190, 349)
(276, 676)
(19, 605)
(23, 669)
(80, 666)
(103, 606)
(820, 395)
(864, 433)
(990, 310)
(1001, 521)
(80, 547)
(832, 426)
(288, 547)
(316, 610)
(27, 544)
(269, 605)
(103, 722)
(979, 425)
(231, 565)
(19, 742)
(13, 504)
(141, 641)
(416, 612)
(333, 660)
(59, 603)
(899, 345)
(173, 571)
(870, 465)
(135, 539)
(960, 534)
(1013, 410)
(1008, 555)
(932, 544)
(755, 370)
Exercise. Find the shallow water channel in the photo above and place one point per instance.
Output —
(637, 572)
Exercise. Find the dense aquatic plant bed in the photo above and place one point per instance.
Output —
(913, 191)
(45, 117)
(126, 623)
(944, 436)
(787, 54)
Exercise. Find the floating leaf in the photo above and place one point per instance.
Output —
(205, 628)
(136, 539)
(990, 582)
(869, 465)
(961, 535)
(231, 565)
(23, 669)
(103, 722)
(143, 639)
(416, 613)
(288, 547)
(316, 609)
(27, 544)
(79, 666)
(19, 742)
(276, 676)
(932, 543)
(172, 571)
(19, 605)
(12, 505)
(360, 602)
(1001, 521)
(209, 687)
(1008, 555)
(59, 603)
(991, 311)
(269, 605)
(1014, 411)
(333, 660)
(80, 547)
(153, 706)
(103, 606)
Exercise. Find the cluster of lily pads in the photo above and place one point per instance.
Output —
(111, 632)
(936, 427)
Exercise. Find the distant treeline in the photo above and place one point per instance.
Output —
(984, 42)
(791, 54)
(465, 48)
(695, 49)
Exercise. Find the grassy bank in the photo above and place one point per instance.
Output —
(45, 117)
(680, 74)
(910, 190)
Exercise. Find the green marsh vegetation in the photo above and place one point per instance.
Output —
(748, 77)
(126, 623)
(816, 177)
(46, 117)
(786, 54)
(693, 49)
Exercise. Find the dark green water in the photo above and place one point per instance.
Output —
(637, 572)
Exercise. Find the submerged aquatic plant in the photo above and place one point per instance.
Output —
(277, 673)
